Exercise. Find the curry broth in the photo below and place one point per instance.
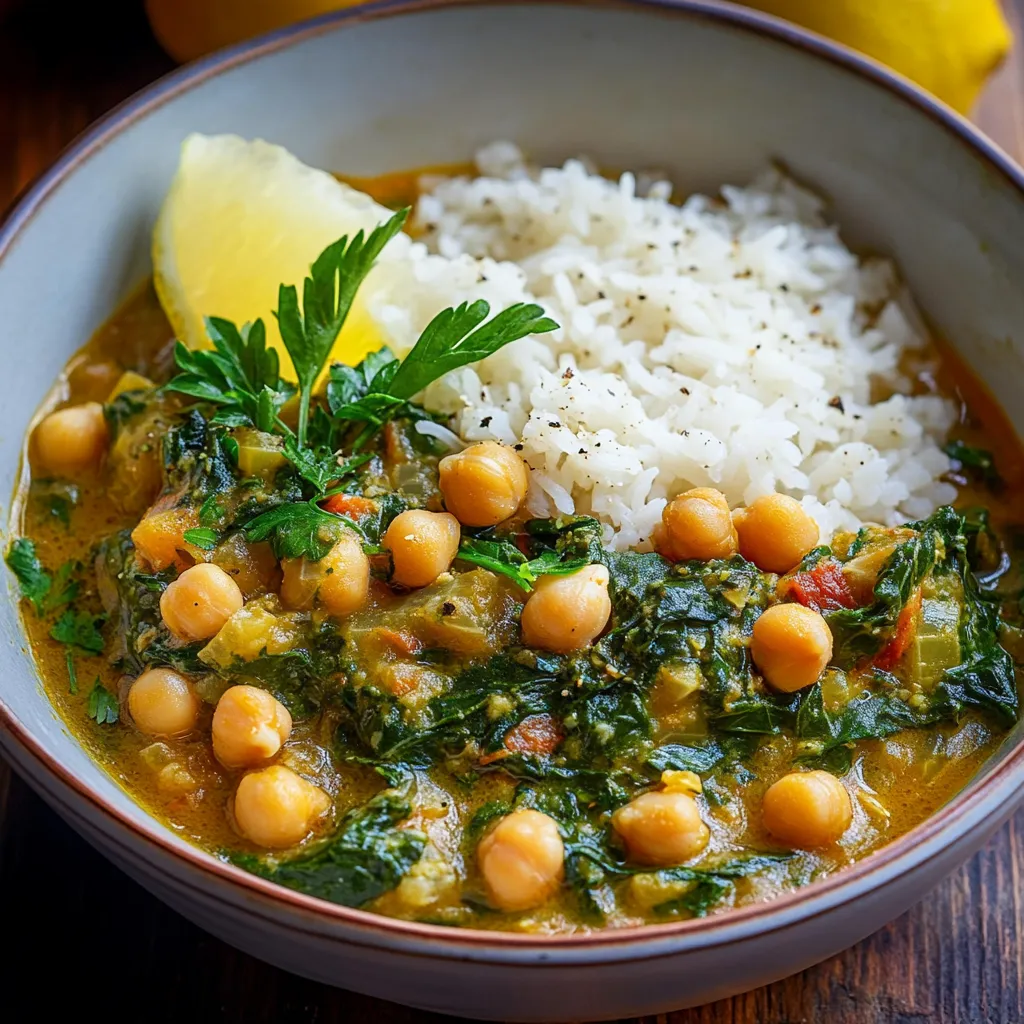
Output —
(898, 781)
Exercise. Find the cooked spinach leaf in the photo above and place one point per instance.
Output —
(367, 856)
(978, 462)
(860, 633)
(710, 885)
(142, 637)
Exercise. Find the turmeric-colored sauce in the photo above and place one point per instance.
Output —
(899, 780)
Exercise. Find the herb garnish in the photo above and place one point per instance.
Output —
(202, 537)
(240, 376)
(102, 705)
(327, 295)
(44, 592)
(502, 556)
(79, 629)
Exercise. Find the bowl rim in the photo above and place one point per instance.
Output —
(945, 827)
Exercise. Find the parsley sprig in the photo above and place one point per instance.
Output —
(379, 389)
(240, 375)
(309, 333)
(502, 556)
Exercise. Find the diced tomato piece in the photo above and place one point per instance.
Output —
(823, 588)
(523, 543)
(904, 635)
(351, 505)
(538, 734)
(402, 643)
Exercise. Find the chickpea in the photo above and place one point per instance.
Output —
(72, 440)
(697, 524)
(276, 808)
(791, 645)
(340, 580)
(661, 828)
(522, 860)
(422, 545)
(807, 809)
(567, 613)
(775, 532)
(162, 702)
(484, 484)
(249, 726)
(198, 603)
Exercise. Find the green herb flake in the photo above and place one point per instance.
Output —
(102, 705)
(79, 629)
(503, 557)
(202, 537)
(72, 674)
(977, 462)
(46, 594)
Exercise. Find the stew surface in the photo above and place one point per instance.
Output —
(302, 663)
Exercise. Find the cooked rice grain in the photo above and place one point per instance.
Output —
(733, 342)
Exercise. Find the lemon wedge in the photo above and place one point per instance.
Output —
(240, 219)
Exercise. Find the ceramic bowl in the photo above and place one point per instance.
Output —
(707, 92)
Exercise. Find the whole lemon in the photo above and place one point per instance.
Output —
(187, 29)
(948, 46)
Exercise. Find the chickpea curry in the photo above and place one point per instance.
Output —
(330, 647)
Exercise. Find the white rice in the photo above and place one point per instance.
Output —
(732, 342)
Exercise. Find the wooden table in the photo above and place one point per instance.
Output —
(957, 957)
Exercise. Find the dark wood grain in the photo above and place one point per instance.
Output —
(956, 958)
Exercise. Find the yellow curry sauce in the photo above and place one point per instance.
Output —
(895, 782)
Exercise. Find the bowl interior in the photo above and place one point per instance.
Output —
(706, 100)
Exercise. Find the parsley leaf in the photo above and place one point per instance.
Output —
(299, 528)
(201, 537)
(320, 466)
(103, 706)
(79, 629)
(241, 375)
(35, 583)
(379, 388)
(455, 338)
(45, 593)
(502, 556)
(327, 296)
